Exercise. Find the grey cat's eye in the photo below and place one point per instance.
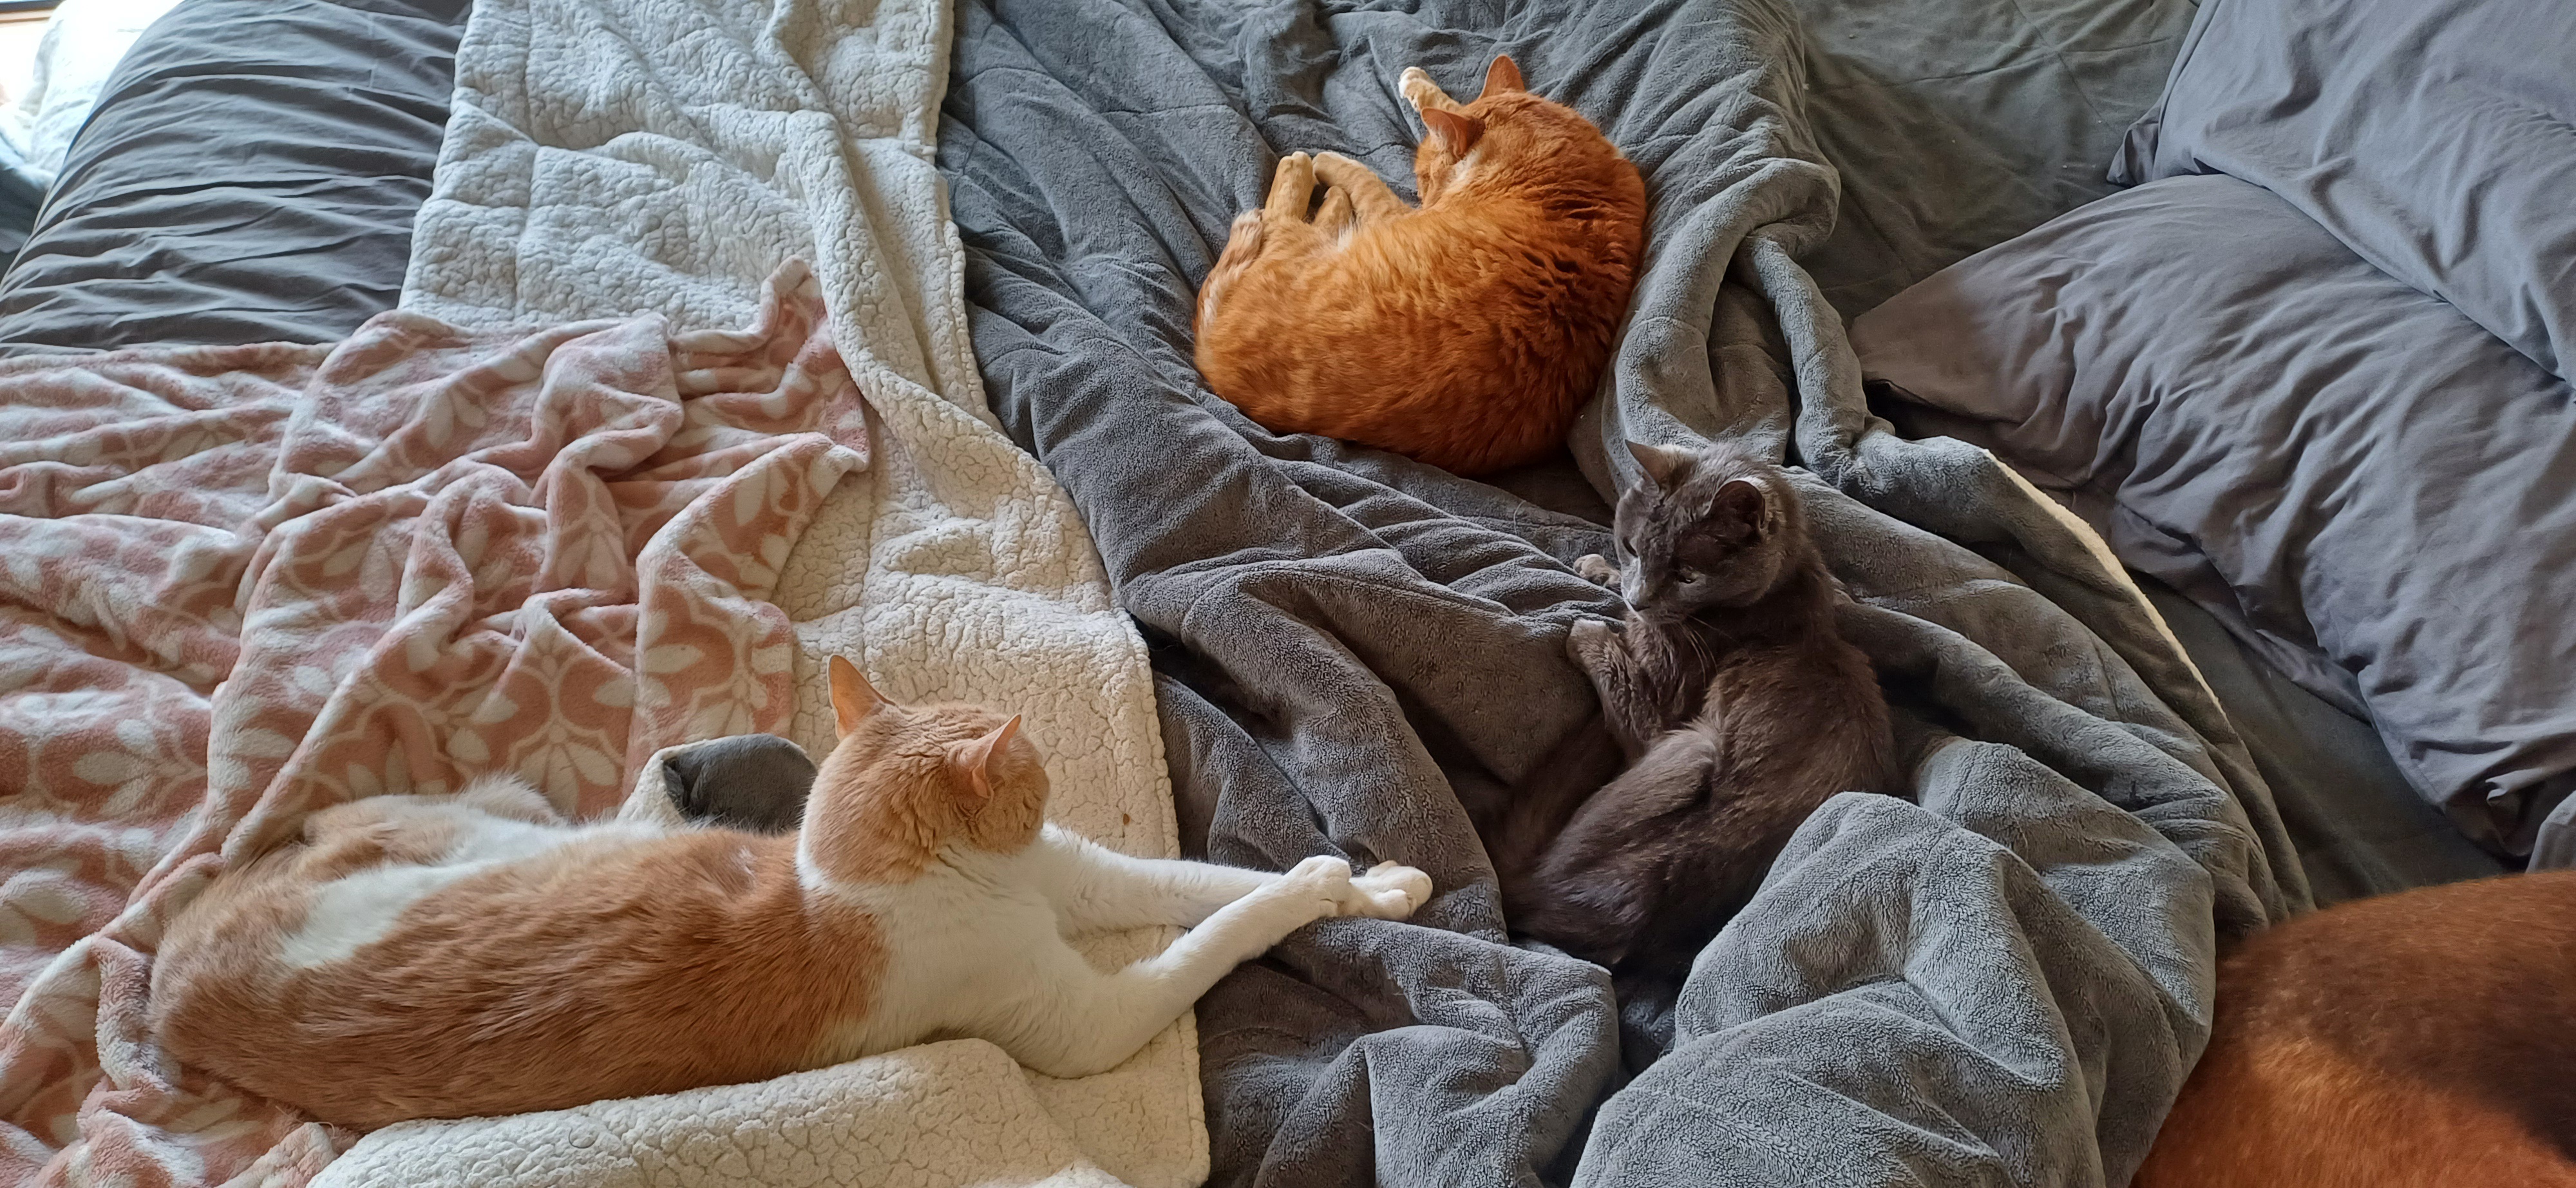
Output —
(1689, 577)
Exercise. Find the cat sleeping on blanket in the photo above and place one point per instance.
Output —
(475, 954)
(1466, 332)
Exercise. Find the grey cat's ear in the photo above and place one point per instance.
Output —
(1741, 510)
(1662, 463)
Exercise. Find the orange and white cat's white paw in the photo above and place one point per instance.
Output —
(1421, 92)
(1595, 568)
(1322, 883)
(1392, 890)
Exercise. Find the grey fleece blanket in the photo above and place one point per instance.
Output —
(2002, 983)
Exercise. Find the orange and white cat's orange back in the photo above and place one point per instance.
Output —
(1466, 332)
(2421, 1040)
(438, 957)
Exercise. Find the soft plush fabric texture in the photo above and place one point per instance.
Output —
(606, 157)
(2358, 824)
(1954, 125)
(1357, 653)
(247, 583)
(2436, 138)
(2351, 472)
(249, 174)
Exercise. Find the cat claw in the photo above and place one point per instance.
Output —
(1597, 569)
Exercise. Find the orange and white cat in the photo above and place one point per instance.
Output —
(436, 957)
(1467, 332)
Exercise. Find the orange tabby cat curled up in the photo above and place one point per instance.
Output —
(2421, 1039)
(1466, 333)
(439, 957)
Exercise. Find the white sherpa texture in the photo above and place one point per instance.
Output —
(618, 157)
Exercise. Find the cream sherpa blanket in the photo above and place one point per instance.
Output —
(612, 157)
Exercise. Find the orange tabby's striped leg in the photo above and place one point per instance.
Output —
(1290, 187)
(1334, 217)
(1370, 199)
(1424, 94)
(1242, 246)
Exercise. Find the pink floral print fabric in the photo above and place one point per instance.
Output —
(241, 584)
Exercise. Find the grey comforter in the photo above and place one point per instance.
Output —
(2002, 983)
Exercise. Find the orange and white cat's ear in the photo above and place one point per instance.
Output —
(1502, 77)
(1662, 463)
(1457, 133)
(973, 762)
(853, 698)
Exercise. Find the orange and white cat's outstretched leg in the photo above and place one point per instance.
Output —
(1097, 889)
(1070, 1020)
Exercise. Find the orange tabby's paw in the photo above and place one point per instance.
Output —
(1242, 241)
(1424, 94)
(1290, 186)
(1595, 568)
(1335, 215)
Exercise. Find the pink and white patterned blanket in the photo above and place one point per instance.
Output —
(239, 584)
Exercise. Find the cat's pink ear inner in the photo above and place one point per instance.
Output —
(1458, 133)
(1661, 463)
(974, 762)
(1744, 507)
(853, 698)
(1504, 75)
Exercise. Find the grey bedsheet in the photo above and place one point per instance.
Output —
(2004, 984)
(249, 174)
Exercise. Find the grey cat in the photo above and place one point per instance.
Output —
(1737, 704)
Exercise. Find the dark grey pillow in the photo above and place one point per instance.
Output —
(2436, 138)
(2357, 478)
(249, 174)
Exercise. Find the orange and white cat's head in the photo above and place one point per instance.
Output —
(1505, 132)
(906, 782)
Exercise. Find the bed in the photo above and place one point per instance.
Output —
(1313, 647)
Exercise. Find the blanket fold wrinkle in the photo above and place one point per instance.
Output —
(2004, 982)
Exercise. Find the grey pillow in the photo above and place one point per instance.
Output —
(2362, 482)
(2436, 138)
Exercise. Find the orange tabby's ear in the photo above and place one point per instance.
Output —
(1661, 463)
(973, 762)
(853, 698)
(1504, 75)
(1456, 132)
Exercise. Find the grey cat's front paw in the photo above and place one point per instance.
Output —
(1588, 641)
(1593, 567)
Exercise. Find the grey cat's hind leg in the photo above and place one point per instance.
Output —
(752, 782)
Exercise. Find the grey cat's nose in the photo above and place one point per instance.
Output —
(754, 782)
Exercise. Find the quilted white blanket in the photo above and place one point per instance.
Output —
(613, 157)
